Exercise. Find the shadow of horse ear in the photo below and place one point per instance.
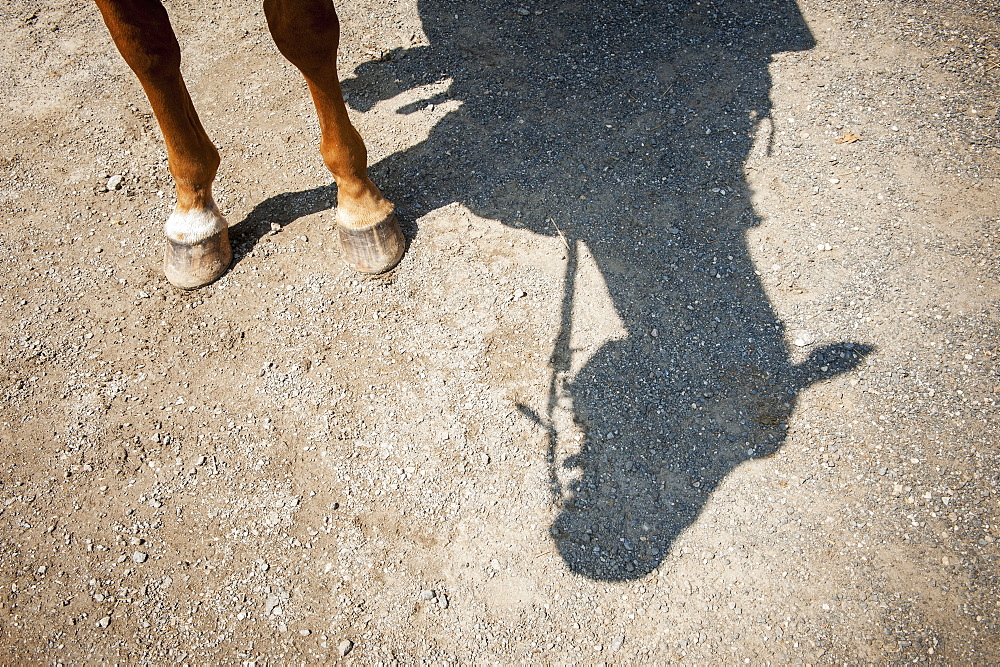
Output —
(829, 361)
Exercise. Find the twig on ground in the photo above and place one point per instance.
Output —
(561, 235)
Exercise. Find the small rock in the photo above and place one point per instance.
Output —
(115, 182)
(275, 227)
(523, 12)
(344, 647)
(139, 557)
(104, 622)
(427, 595)
(304, 632)
(442, 601)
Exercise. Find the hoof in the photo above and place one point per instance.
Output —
(190, 266)
(373, 249)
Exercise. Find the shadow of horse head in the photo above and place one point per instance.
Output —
(627, 126)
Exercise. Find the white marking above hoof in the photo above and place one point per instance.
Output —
(194, 225)
(360, 217)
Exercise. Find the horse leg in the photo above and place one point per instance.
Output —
(197, 250)
(307, 33)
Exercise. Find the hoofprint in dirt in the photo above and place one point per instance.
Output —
(692, 357)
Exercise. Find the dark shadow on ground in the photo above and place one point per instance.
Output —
(628, 124)
(282, 209)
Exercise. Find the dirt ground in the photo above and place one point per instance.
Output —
(693, 355)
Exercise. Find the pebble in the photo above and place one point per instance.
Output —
(104, 622)
(523, 12)
(304, 632)
(442, 601)
(115, 182)
(345, 647)
(139, 557)
(427, 595)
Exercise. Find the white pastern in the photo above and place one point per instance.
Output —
(194, 226)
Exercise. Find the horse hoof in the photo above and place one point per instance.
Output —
(375, 248)
(189, 266)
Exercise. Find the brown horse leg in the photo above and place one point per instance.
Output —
(198, 248)
(307, 33)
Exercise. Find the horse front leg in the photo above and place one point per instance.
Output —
(307, 33)
(197, 248)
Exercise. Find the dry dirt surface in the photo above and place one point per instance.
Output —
(693, 356)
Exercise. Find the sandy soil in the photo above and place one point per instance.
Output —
(692, 356)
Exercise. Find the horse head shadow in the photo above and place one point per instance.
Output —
(629, 124)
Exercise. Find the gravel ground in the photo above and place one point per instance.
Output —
(693, 356)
